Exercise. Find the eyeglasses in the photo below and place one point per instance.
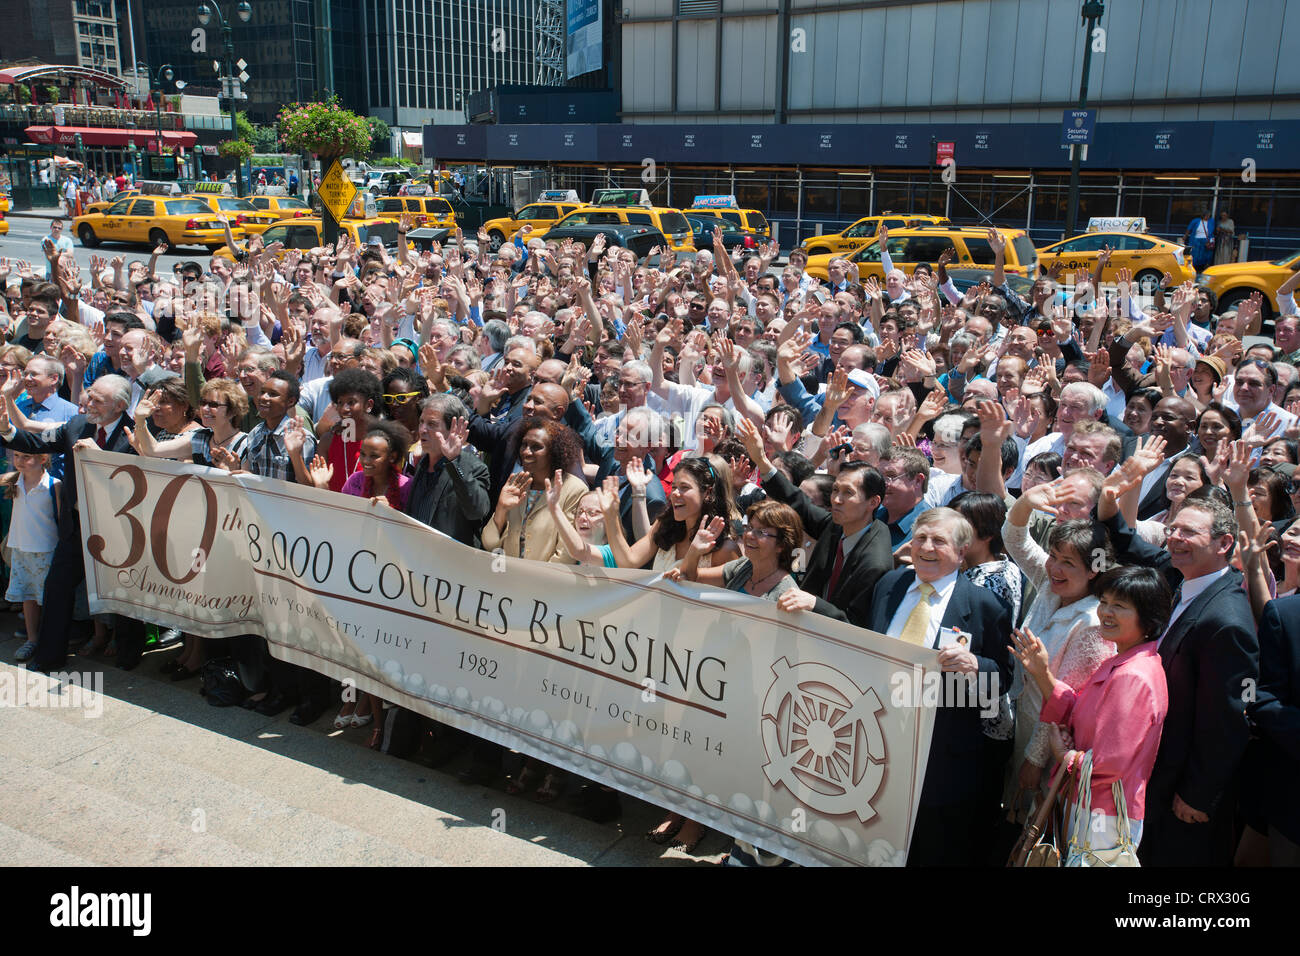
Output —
(401, 398)
(753, 532)
(209, 403)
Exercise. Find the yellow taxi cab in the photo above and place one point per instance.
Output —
(631, 207)
(240, 212)
(1234, 281)
(281, 207)
(864, 230)
(105, 203)
(4, 208)
(726, 207)
(155, 220)
(908, 248)
(306, 233)
(551, 205)
(1145, 256)
(424, 210)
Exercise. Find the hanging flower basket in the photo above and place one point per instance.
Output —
(324, 130)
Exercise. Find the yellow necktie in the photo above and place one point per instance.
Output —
(918, 622)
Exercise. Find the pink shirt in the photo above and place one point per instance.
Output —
(1117, 714)
(361, 486)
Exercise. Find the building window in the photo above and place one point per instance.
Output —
(85, 50)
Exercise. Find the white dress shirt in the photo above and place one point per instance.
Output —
(1192, 589)
(943, 589)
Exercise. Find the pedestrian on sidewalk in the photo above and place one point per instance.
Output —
(33, 534)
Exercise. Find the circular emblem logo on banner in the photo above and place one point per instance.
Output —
(823, 739)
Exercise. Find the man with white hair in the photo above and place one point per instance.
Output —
(104, 425)
(1080, 401)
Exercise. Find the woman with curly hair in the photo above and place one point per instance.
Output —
(521, 525)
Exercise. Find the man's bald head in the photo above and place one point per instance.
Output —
(547, 400)
(552, 370)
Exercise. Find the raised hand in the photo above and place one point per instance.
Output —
(935, 402)
(147, 405)
(751, 438)
(1030, 652)
(513, 491)
(995, 427)
(322, 472)
(837, 390)
(706, 538)
(432, 368)
(1238, 471)
(1258, 434)
(777, 431)
(636, 474)
(452, 442)
(1149, 454)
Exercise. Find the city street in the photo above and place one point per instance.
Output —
(26, 233)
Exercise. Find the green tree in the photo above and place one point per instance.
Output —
(243, 128)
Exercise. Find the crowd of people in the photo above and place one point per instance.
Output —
(1083, 499)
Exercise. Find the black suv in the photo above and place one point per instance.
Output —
(732, 235)
(640, 239)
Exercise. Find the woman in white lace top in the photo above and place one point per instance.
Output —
(1063, 615)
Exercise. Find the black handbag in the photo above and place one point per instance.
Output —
(221, 684)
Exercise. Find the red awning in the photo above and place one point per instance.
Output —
(100, 136)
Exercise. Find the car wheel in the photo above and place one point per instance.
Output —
(87, 236)
(159, 238)
(1148, 280)
(1232, 300)
(495, 240)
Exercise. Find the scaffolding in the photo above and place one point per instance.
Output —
(550, 40)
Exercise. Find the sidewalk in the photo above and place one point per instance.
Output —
(40, 213)
(159, 777)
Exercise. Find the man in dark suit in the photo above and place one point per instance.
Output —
(1211, 656)
(504, 398)
(449, 490)
(1272, 771)
(104, 426)
(853, 548)
(958, 811)
(1173, 420)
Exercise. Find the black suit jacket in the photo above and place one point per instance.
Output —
(1273, 758)
(1211, 659)
(870, 558)
(58, 440)
(455, 499)
(956, 771)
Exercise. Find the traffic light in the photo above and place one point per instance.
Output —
(77, 139)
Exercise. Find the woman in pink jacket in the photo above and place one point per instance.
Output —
(1119, 711)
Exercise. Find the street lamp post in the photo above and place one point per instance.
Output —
(245, 12)
(165, 75)
(1092, 12)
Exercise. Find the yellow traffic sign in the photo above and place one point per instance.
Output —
(336, 191)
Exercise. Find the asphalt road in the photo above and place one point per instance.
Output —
(25, 235)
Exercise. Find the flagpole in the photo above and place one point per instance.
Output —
(135, 70)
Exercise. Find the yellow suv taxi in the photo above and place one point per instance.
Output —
(4, 208)
(156, 220)
(631, 207)
(306, 233)
(908, 248)
(540, 215)
(281, 207)
(424, 210)
(240, 212)
(1145, 256)
(864, 230)
(727, 208)
(1234, 281)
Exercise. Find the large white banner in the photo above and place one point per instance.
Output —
(786, 731)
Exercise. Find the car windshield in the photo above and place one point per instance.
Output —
(286, 203)
(673, 223)
(1287, 260)
(239, 205)
(187, 207)
(387, 231)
